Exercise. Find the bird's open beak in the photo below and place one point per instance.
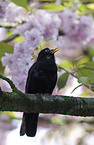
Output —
(54, 50)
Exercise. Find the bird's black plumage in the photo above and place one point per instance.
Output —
(42, 77)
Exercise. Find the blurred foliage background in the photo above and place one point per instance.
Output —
(75, 62)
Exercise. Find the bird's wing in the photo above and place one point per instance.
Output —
(39, 80)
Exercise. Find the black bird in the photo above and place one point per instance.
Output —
(42, 77)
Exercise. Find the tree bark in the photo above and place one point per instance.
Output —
(45, 103)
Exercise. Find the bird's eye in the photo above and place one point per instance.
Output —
(47, 51)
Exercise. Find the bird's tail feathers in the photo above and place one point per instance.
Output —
(29, 124)
(23, 127)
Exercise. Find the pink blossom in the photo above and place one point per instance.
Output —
(85, 28)
(22, 50)
(8, 60)
(67, 18)
(33, 37)
(2, 10)
(16, 13)
(49, 22)
(19, 63)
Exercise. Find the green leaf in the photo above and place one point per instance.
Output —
(91, 51)
(52, 7)
(87, 1)
(19, 39)
(62, 80)
(1, 68)
(92, 83)
(89, 66)
(82, 61)
(22, 3)
(91, 6)
(66, 64)
(82, 73)
(82, 8)
(87, 70)
(5, 48)
(83, 80)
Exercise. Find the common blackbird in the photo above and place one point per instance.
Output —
(42, 77)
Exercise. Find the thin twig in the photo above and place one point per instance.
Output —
(74, 76)
(11, 38)
(14, 89)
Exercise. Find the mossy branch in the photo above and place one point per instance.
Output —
(44, 103)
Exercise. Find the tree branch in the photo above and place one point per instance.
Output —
(40, 103)
(44, 103)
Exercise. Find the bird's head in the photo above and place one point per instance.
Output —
(46, 54)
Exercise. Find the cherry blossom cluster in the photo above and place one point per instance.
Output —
(2, 10)
(19, 62)
(77, 32)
